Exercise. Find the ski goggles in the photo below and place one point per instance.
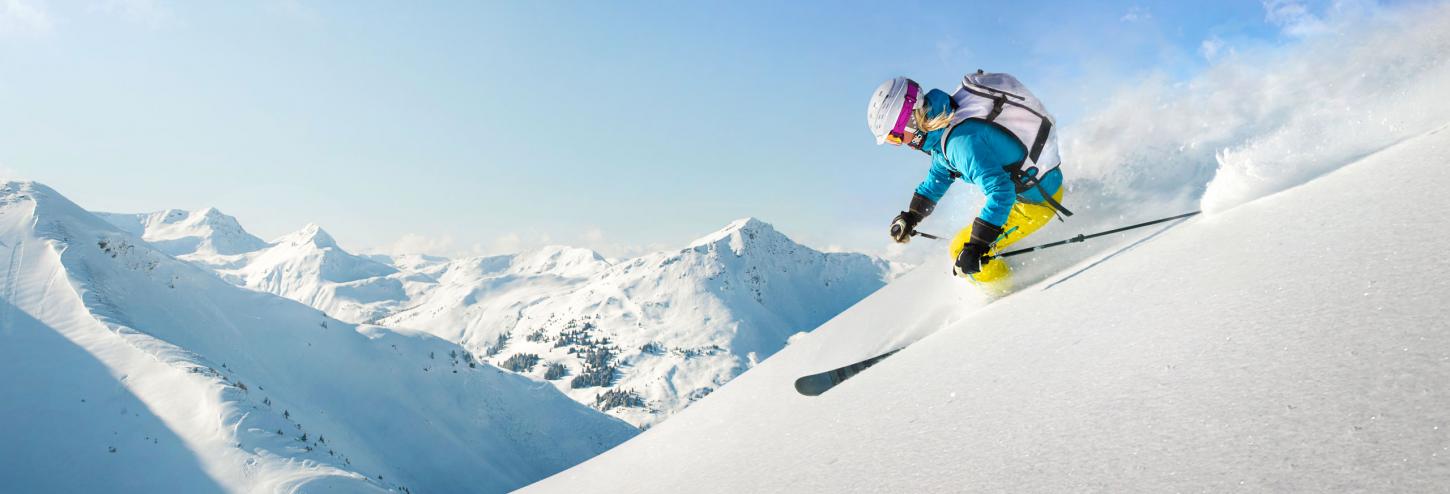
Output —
(898, 132)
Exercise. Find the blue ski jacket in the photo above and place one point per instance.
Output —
(977, 152)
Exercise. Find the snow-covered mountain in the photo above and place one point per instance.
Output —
(308, 266)
(124, 369)
(645, 337)
(1296, 343)
(640, 338)
(203, 233)
(476, 300)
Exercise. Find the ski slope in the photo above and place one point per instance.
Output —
(125, 370)
(1294, 343)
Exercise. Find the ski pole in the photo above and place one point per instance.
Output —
(1080, 238)
(915, 233)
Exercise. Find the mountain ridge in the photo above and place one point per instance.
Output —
(730, 298)
(248, 391)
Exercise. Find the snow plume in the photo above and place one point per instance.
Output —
(1261, 120)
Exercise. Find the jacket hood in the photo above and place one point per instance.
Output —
(936, 103)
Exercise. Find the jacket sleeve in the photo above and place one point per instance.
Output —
(981, 156)
(938, 180)
(1001, 194)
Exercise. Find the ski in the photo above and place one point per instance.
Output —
(815, 384)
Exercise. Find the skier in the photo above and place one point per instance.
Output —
(992, 132)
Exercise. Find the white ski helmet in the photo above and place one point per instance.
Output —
(889, 114)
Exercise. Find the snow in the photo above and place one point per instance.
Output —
(308, 266)
(672, 326)
(1294, 343)
(1263, 118)
(1293, 339)
(188, 233)
(126, 369)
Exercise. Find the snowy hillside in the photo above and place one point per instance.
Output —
(308, 266)
(477, 299)
(645, 337)
(127, 370)
(204, 233)
(641, 338)
(1296, 343)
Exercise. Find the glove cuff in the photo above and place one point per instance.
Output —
(921, 206)
(911, 218)
(984, 233)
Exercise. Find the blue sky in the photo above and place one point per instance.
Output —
(473, 127)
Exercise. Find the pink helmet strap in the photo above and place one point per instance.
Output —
(899, 131)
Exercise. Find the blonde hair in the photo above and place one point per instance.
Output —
(925, 124)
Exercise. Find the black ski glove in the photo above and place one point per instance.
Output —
(974, 252)
(905, 223)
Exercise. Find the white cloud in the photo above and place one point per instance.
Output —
(413, 243)
(24, 17)
(446, 245)
(513, 243)
(1210, 48)
(593, 235)
(1293, 17)
(8, 173)
(595, 239)
(1136, 14)
(509, 242)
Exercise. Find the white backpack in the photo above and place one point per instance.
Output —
(1002, 100)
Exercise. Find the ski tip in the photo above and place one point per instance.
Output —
(807, 386)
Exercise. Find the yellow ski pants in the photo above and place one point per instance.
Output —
(1024, 219)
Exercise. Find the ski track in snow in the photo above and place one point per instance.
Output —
(12, 273)
(1115, 253)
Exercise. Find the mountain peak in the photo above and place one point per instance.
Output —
(48, 203)
(212, 214)
(179, 232)
(742, 232)
(573, 262)
(747, 224)
(14, 189)
(310, 234)
(209, 216)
